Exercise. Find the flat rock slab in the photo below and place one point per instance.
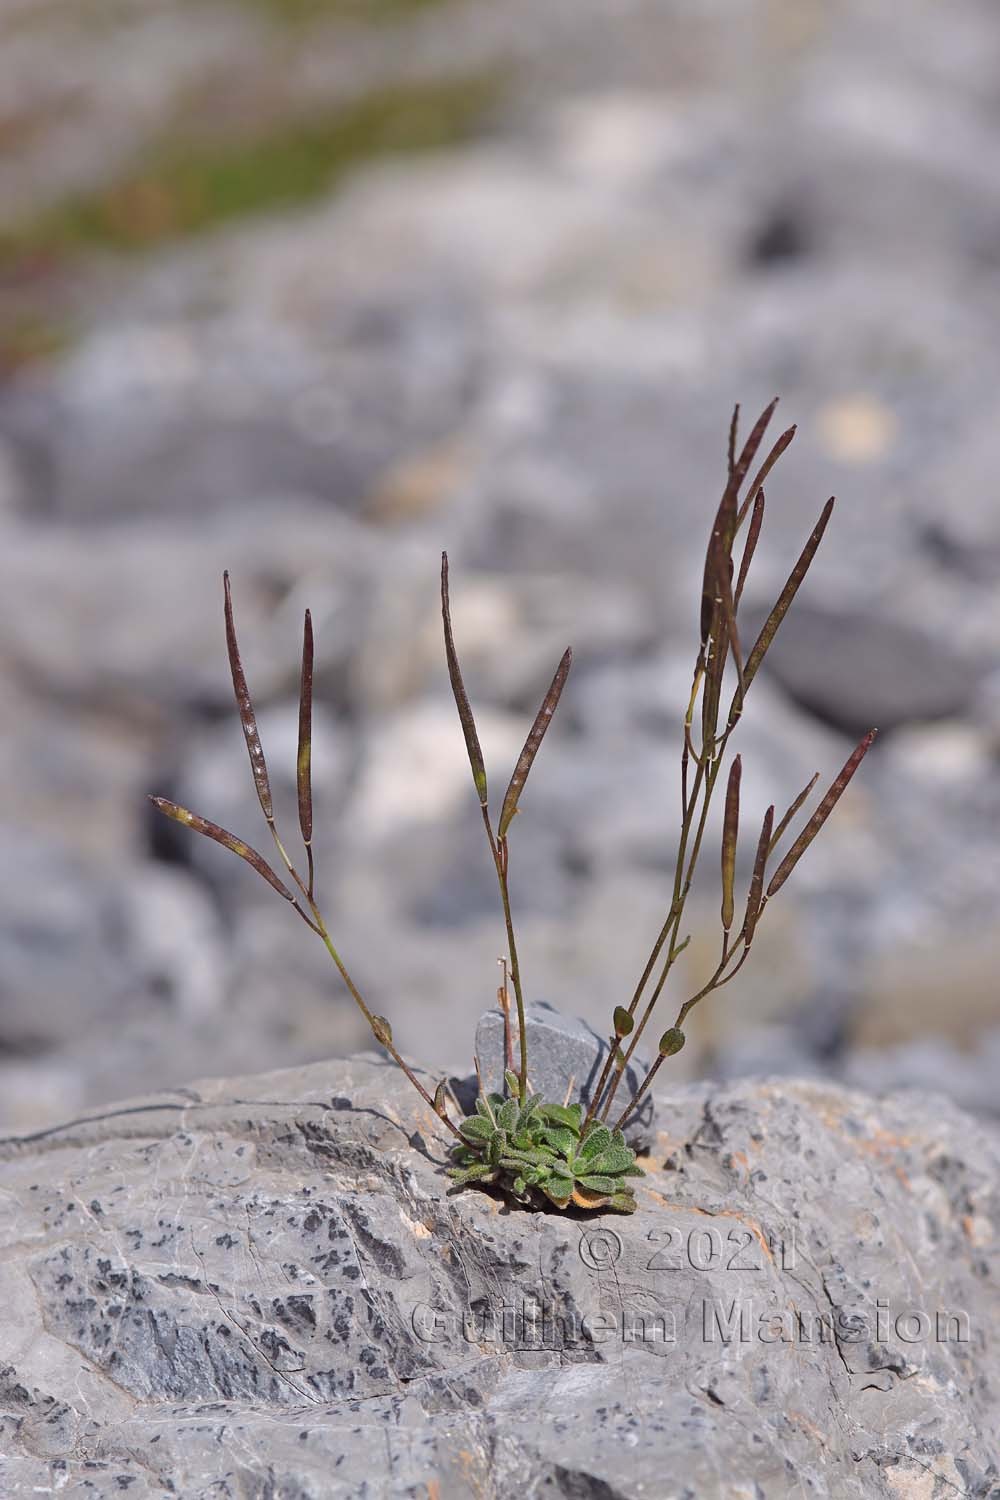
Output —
(260, 1287)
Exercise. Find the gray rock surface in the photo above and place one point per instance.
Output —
(566, 1057)
(259, 1287)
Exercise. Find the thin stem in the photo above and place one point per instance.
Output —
(670, 926)
(680, 899)
(371, 1019)
(503, 996)
(319, 926)
(718, 980)
(499, 850)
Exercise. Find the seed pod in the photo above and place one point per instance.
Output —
(225, 838)
(472, 746)
(823, 811)
(531, 745)
(303, 759)
(382, 1030)
(244, 703)
(730, 834)
(624, 1022)
(671, 1041)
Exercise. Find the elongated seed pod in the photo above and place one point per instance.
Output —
(248, 718)
(790, 814)
(472, 746)
(303, 760)
(756, 893)
(536, 734)
(225, 838)
(730, 835)
(780, 610)
(819, 817)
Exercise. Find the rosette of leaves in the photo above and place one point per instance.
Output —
(538, 1152)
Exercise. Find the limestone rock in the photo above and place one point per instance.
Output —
(260, 1286)
(566, 1056)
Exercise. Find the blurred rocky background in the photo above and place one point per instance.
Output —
(312, 290)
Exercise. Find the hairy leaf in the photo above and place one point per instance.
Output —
(597, 1139)
(564, 1114)
(595, 1183)
(614, 1159)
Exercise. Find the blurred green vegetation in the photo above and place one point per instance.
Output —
(184, 186)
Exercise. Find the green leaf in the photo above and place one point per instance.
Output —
(476, 1129)
(512, 1081)
(564, 1114)
(497, 1146)
(531, 745)
(598, 1184)
(561, 1139)
(507, 1115)
(462, 703)
(559, 1187)
(597, 1139)
(623, 1202)
(478, 1173)
(615, 1159)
